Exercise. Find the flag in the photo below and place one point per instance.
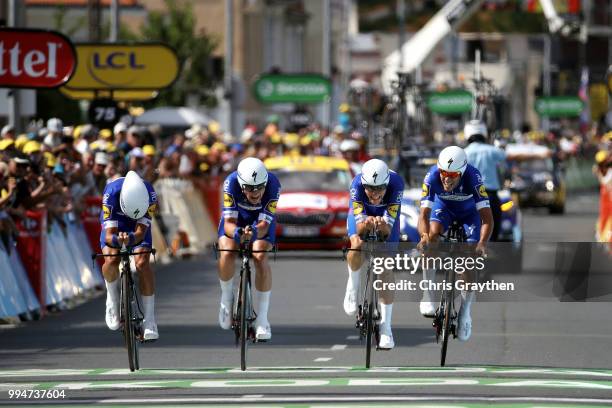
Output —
(583, 94)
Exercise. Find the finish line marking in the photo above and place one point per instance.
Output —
(25, 373)
(431, 400)
(307, 382)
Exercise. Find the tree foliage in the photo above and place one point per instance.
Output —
(176, 27)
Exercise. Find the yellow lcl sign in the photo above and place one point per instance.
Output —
(128, 67)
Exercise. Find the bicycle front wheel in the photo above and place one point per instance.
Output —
(446, 323)
(128, 326)
(369, 332)
(244, 324)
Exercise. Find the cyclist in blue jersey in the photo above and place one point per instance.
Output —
(128, 204)
(453, 190)
(375, 203)
(250, 195)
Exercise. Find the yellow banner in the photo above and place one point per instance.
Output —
(126, 67)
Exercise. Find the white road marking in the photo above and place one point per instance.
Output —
(352, 337)
(348, 399)
(336, 347)
(322, 359)
(321, 382)
(89, 373)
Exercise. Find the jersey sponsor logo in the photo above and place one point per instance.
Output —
(106, 211)
(271, 207)
(357, 207)
(398, 199)
(250, 207)
(353, 193)
(105, 198)
(228, 200)
(153, 196)
(455, 197)
(392, 210)
(152, 210)
(482, 191)
(425, 191)
(226, 185)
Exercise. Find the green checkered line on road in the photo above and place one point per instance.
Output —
(492, 370)
(362, 405)
(312, 383)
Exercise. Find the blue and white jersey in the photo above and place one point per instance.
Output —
(111, 215)
(236, 205)
(469, 195)
(389, 208)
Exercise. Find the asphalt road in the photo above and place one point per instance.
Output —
(540, 354)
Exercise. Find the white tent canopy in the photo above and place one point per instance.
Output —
(173, 117)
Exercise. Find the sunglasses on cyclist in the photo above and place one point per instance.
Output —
(450, 174)
(382, 187)
(250, 189)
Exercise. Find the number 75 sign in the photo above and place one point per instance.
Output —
(104, 113)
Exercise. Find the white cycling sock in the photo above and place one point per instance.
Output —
(227, 291)
(112, 291)
(429, 275)
(386, 311)
(467, 297)
(354, 278)
(263, 303)
(149, 308)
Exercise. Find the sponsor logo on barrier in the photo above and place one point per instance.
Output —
(30, 224)
(271, 208)
(393, 209)
(228, 200)
(357, 207)
(106, 211)
(482, 191)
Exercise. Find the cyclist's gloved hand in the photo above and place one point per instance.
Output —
(238, 234)
(131, 239)
(115, 241)
(254, 232)
(424, 242)
(481, 249)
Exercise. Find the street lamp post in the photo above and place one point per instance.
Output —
(114, 20)
(229, 64)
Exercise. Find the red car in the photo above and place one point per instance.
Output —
(313, 206)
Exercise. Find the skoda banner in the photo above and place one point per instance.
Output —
(298, 88)
(451, 102)
(559, 106)
(144, 66)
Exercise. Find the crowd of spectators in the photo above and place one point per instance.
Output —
(57, 166)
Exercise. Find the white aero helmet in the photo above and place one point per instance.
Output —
(474, 127)
(134, 197)
(252, 172)
(453, 159)
(375, 173)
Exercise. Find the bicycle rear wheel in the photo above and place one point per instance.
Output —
(244, 326)
(128, 327)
